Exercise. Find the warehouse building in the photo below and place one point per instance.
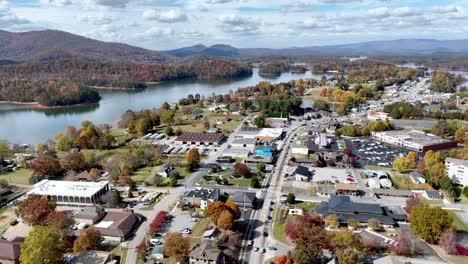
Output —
(71, 192)
(200, 138)
(414, 140)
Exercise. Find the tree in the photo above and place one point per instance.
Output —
(321, 105)
(254, 182)
(5, 150)
(74, 161)
(332, 221)
(165, 106)
(241, 170)
(58, 220)
(193, 159)
(172, 181)
(89, 239)
(225, 220)
(465, 191)
(401, 164)
(42, 246)
(353, 223)
(233, 209)
(348, 246)
(402, 246)
(461, 135)
(448, 241)
(259, 121)
(413, 159)
(214, 209)
(45, 166)
(410, 204)
(283, 260)
(261, 166)
(116, 199)
(429, 222)
(35, 209)
(157, 180)
(176, 245)
(310, 244)
(291, 198)
(142, 126)
(167, 116)
(169, 131)
(373, 224)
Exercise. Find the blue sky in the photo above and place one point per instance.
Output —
(167, 24)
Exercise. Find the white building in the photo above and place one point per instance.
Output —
(457, 170)
(414, 140)
(71, 192)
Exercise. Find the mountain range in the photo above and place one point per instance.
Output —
(53, 44)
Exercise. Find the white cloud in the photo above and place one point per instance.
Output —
(112, 3)
(8, 19)
(238, 24)
(59, 3)
(96, 20)
(295, 7)
(155, 32)
(165, 16)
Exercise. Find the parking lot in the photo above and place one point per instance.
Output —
(332, 175)
(373, 152)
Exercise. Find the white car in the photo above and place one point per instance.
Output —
(193, 219)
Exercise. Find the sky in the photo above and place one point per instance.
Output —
(169, 24)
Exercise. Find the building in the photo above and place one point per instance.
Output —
(211, 234)
(206, 253)
(267, 151)
(84, 176)
(270, 134)
(236, 153)
(248, 143)
(89, 215)
(302, 173)
(393, 192)
(260, 158)
(303, 147)
(10, 250)
(245, 199)
(414, 140)
(200, 197)
(94, 257)
(378, 116)
(457, 170)
(433, 195)
(165, 171)
(417, 177)
(207, 139)
(117, 226)
(347, 189)
(248, 133)
(70, 192)
(345, 209)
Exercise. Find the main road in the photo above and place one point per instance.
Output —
(169, 200)
(261, 231)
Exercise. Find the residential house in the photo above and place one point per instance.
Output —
(433, 195)
(206, 253)
(117, 226)
(417, 177)
(89, 215)
(245, 199)
(94, 257)
(302, 173)
(211, 234)
(200, 197)
(10, 250)
(165, 171)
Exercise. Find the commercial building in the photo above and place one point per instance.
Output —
(70, 192)
(236, 153)
(89, 215)
(248, 143)
(457, 170)
(345, 209)
(201, 197)
(414, 140)
(200, 138)
(270, 134)
(245, 199)
(248, 133)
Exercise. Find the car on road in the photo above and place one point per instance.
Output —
(271, 248)
(193, 219)
(263, 250)
(256, 249)
(265, 234)
(186, 231)
(250, 243)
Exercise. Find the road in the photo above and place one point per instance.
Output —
(259, 227)
(171, 198)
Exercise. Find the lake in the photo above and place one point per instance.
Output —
(24, 124)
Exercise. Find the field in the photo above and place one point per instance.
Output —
(145, 175)
(20, 177)
(238, 182)
(457, 222)
(200, 227)
(403, 182)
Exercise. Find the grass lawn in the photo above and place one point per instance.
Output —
(6, 216)
(306, 206)
(238, 182)
(146, 175)
(463, 199)
(457, 222)
(372, 167)
(197, 232)
(122, 252)
(20, 176)
(403, 182)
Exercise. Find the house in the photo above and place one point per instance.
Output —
(10, 250)
(165, 171)
(117, 226)
(345, 209)
(457, 170)
(433, 195)
(94, 257)
(417, 177)
(84, 176)
(295, 211)
(302, 173)
(245, 199)
(89, 215)
(157, 252)
(206, 253)
(200, 197)
(212, 234)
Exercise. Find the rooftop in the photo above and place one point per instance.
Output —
(117, 224)
(241, 197)
(67, 188)
(206, 251)
(418, 137)
(271, 132)
(247, 141)
(204, 194)
(457, 162)
(301, 170)
(201, 137)
(10, 250)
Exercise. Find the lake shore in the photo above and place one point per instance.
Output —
(37, 105)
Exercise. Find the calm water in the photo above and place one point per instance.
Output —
(22, 124)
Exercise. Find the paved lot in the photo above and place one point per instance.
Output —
(373, 152)
(179, 222)
(330, 174)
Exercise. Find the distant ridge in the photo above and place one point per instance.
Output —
(384, 47)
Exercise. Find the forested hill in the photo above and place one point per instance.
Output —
(54, 44)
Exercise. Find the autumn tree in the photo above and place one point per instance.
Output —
(284, 259)
(410, 204)
(225, 220)
(353, 223)
(429, 222)
(177, 246)
(35, 209)
(241, 170)
(193, 159)
(165, 106)
(373, 224)
(310, 244)
(461, 135)
(42, 246)
(402, 247)
(233, 209)
(214, 209)
(89, 239)
(5, 150)
(332, 221)
(448, 241)
(58, 220)
(45, 166)
(74, 161)
(348, 246)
